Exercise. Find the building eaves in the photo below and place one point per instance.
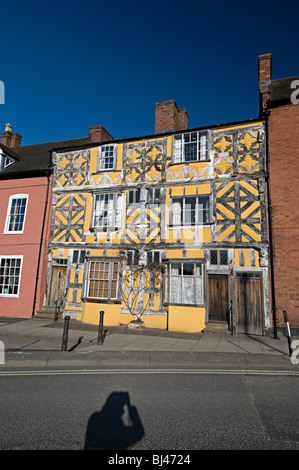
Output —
(90, 144)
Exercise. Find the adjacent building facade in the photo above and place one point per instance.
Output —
(279, 107)
(25, 215)
(26, 175)
(171, 226)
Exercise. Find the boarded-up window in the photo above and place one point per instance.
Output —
(186, 283)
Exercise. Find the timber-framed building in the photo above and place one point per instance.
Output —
(183, 209)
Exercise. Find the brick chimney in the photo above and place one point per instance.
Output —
(168, 117)
(265, 72)
(10, 139)
(99, 134)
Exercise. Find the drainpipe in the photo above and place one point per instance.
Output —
(267, 114)
(40, 244)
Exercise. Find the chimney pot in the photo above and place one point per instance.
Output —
(10, 139)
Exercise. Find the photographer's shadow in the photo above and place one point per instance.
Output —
(106, 429)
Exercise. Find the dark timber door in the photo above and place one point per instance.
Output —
(249, 312)
(218, 297)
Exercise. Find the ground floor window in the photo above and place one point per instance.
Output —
(10, 272)
(186, 283)
(102, 279)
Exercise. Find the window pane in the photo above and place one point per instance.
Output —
(190, 146)
(176, 269)
(131, 197)
(176, 290)
(177, 211)
(213, 255)
(178, 149)
(17, 214)
(188, 290)
(188, 269)
(106, 158)
(203, 209)
(203, 147)
(103, 210)
(223, 257)
(189, 210)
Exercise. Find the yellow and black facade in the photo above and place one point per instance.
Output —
(183, 210)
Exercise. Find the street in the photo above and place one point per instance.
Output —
(144, 409)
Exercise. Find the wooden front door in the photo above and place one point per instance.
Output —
(249, 312)
(218, 297)
(57, 284)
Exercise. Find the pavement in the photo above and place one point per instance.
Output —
(39, 343)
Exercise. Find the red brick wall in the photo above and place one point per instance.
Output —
(284, 187)
(169, 118)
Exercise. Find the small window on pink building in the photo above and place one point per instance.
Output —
(16, 213)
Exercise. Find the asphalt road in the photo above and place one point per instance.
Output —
(148, 410)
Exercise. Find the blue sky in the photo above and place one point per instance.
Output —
(68, 65)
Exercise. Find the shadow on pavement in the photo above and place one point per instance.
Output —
(106, 429)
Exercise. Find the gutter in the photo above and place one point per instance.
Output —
(41, 243)
(267, 114)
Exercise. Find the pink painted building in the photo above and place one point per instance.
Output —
(25, 219)
(25, 216)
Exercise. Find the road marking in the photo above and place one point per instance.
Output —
(15, 373)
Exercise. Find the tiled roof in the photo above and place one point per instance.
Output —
(36, 158)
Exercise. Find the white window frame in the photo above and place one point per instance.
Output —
(180, 208)
(105, 276)
(104, 159)
(179, 289)
(2, 284)
(197, 139)
(9, 215)
(107, 208)
(5, 161)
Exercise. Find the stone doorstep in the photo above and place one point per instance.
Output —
(220, 327)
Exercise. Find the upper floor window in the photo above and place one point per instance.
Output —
(190, 210)
(5, 161)
(16, 213)
(190, 147)
(106, 157)
(107, 209)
